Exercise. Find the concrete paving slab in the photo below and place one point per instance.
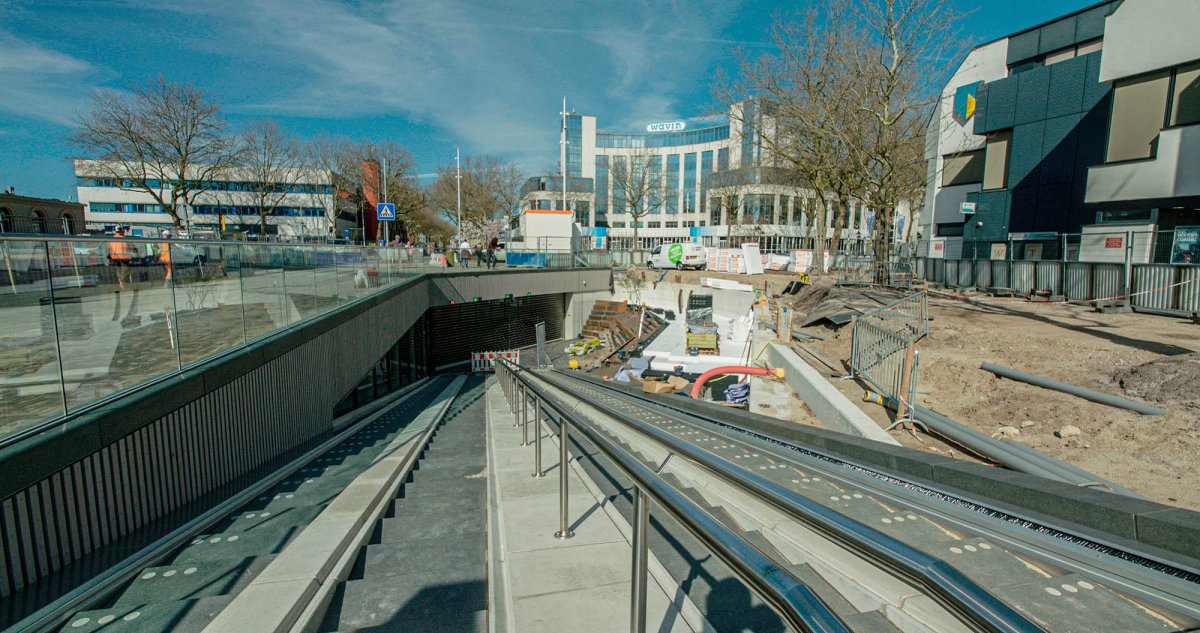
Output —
(189, 581)
(553, 584)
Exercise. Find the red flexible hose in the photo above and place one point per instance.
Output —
(698, 388)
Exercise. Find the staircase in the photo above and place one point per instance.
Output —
(425, 566)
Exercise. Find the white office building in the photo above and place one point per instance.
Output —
(709, 185)
(301, 205)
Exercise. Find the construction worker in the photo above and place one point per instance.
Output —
(164, 256)
(120, 255)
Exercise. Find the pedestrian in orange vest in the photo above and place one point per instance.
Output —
(164, 256)
(120, 255)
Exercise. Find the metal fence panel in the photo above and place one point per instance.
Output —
(1022, 277)
(1000, 274)
(1153, 286)
(1078, 286)
(1049, 277)
(966, 278)
(881, 340)
(983, 275)
(1108, 280)
(1189, 288)
(951, 274)
(939, 271)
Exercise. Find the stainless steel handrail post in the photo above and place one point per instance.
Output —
(524, 418)
(564, 531)
(641, 532)
(521, 407)
(537, 438)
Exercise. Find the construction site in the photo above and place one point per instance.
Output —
(663, 332)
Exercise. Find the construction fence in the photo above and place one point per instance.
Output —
(884, 347)
(1172, 287)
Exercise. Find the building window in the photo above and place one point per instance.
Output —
(950, 230)
(1138, 110)
(617, 225)
(618, 200)
(723, 159)
(39, 221)
(654, 225)
(6, 221)
(601, 186)
(995, 164)
(671, 189)
(672, 225)
(689, 183)
(69, 224)
(655, 190)
(759, 208)
(962, 169)
(1185, 98)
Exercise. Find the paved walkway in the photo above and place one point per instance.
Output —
(547, 584)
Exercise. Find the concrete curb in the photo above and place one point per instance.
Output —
(833, 409)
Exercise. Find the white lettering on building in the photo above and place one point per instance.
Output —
(666, 126)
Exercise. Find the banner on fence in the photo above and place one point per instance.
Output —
(1185, 249)
(486, 361)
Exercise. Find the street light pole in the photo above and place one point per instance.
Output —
(383, 198)
(563, 156)
(458, 182)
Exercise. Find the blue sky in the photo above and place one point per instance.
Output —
(487, 76)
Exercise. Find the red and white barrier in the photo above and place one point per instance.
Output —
(486, 361)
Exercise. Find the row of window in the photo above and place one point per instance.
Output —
(215, 185)
(666, 139)
(1060, 55)
(205, 209)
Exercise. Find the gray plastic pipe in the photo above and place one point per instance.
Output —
(1086, 394)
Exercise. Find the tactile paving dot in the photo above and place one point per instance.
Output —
(1085, 584)
(148, 575)
(169, 573)
(189, 571)
(105, 619)
(132, 616)
(956, 550)
(81, 622)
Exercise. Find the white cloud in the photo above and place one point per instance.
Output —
(41, 83)
(490, 75)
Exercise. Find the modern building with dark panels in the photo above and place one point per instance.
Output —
(1026, 117)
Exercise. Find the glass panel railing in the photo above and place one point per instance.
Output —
(115, 316)
(83, 319)
(30, 376)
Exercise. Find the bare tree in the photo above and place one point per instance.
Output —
(638, 183)
(491, 189)
(358, 167)
(166, 139)
(273, 163)
(843, 102)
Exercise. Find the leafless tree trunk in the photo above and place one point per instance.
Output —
(491, 188)
(641, 186)
(274, 163)
(166, 139)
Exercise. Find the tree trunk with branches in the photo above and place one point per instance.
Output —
(641, 186)
(167, 140)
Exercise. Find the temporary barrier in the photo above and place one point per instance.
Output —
(1000, 274)
(1049, 277)
(983, 275)
(1153, 285)
(883, 348)
(1189, 289)
(1108, 280)
(1078, 285)
(966, 278)
(486, 361)
(950, 275)
(1021, 277)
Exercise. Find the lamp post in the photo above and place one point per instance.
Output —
(563, 154)
(458, 183)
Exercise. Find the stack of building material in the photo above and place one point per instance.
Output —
(603, 318)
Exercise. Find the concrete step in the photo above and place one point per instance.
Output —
(189, 581)
(458, 622)
(178, 616)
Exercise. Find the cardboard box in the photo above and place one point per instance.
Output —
(654, 385)
(678, 383)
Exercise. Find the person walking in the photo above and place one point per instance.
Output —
(164, 257)
(120, 255)
(464, 253)
(493, 245)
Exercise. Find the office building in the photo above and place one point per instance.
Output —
(301, 206)
(1030, 146)
(710, 185)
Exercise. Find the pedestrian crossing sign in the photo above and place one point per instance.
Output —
(386, 211)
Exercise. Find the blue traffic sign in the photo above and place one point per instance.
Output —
(385, 211)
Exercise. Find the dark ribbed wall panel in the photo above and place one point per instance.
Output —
(103, 474)
(493, 325)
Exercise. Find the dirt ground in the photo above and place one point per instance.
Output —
(1137, 356)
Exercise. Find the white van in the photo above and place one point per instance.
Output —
(678, 255)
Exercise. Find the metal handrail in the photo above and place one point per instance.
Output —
(798, 605)
(946, 585)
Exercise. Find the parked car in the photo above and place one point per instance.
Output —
(678, 255)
